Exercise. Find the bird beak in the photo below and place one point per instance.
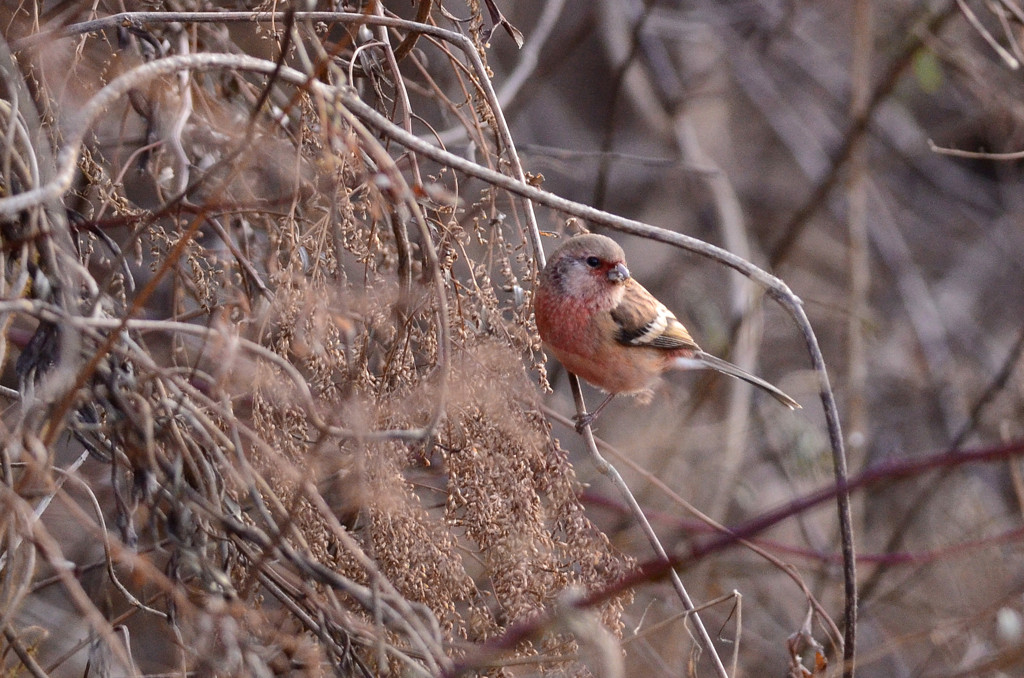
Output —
(618, 273)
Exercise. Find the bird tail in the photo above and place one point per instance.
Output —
(700, 359)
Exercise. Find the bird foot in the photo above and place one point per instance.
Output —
(583, 421)
(587, 418)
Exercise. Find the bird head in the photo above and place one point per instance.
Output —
(590, 269)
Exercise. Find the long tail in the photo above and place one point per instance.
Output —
(702, 359)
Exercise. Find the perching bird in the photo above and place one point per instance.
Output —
(606, 328)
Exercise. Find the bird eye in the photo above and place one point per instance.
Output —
(593, 262)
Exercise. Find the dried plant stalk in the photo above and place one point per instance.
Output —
(292, 353)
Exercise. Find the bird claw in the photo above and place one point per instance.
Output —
(583, 421)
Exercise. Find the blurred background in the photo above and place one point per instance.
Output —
(803, 136)
(863, 152)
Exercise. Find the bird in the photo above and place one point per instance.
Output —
(607, 329)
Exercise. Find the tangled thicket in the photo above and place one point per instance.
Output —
(270, 366)
(273, 393)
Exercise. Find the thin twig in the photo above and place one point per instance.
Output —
(615, 477)
(835, 636)
(972, 19)
(26, 657)
(974, 155)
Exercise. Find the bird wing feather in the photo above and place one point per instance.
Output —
(642, 320)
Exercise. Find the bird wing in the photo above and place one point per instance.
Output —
(642, 320)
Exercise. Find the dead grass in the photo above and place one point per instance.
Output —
(287, 469)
